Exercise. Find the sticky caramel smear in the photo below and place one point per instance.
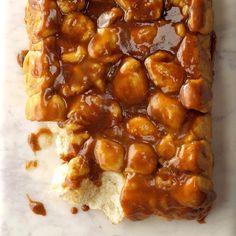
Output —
(74, 210)
(33, 142)
(32, 164)
(85, 207)
(33, 139)
(21, 57)
(36, 207)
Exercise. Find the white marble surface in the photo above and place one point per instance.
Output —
(15, 217)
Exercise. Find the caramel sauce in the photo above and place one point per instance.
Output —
(74, 210)
(95, 170)
(36, 207)
(85, 207)
(33, 138)
(33, 142)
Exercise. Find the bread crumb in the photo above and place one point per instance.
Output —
(32, 164)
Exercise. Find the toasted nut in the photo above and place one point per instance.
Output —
(39, 109)
(194, 192)
(75, 57)
(141, 127)
(201, 16)
(167, 110)
(180, 29)
(194, 157)
(109, 155)
(166, 149)
(104, 45)
(202, 127)
(144, 34)
(194, 58)
(107, 18)
(151, 10)
(67, 6)
(141, 159)
(164, 72)
(130, 84)
(78, 167)
(78, 27)
(197, 95)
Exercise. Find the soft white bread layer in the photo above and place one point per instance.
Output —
(105, 198)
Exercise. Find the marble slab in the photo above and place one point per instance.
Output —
(15, 217)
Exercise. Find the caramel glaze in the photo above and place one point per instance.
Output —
(33, 142)
(74, 210)
(144, 198)
(95, 8)
(33, 138)
(152, 200)
(36, 207)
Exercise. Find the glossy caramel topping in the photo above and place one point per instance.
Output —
(36, 207)
(130, 82)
